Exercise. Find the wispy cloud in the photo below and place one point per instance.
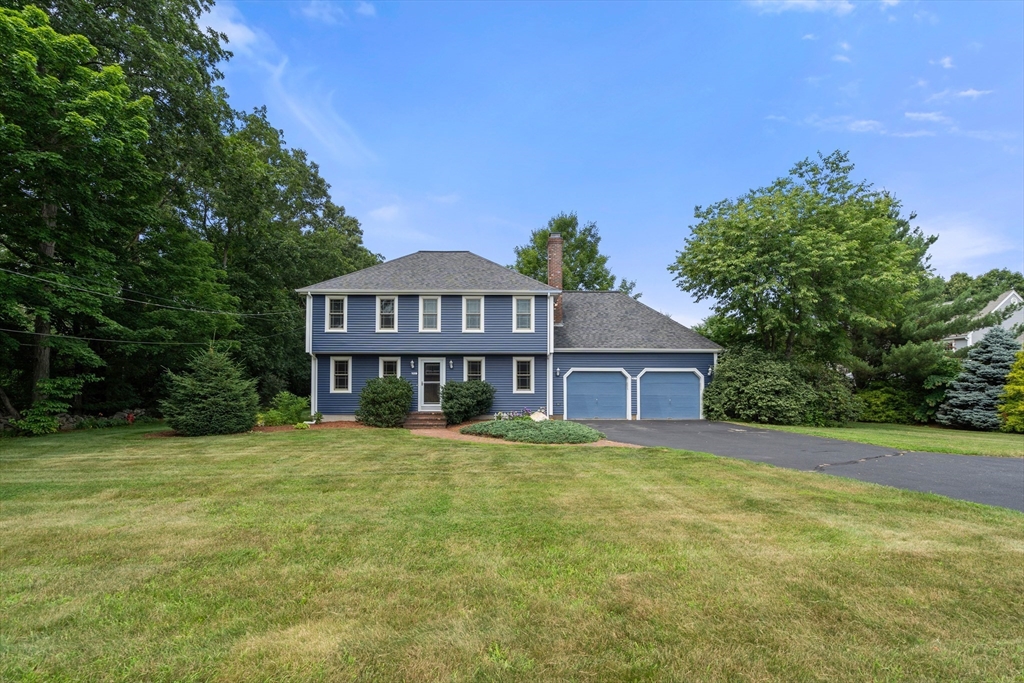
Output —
(914, 134)
(949, 93)
(886, 4)
(366, 9)
(973, 94)
(847, 123)
(809, 36)
(841, 58)
(451, 198)
(775, 117)
(242, 39)
(844, 45)
(962, 242)
(837, 7)
(324, 12)
(929, 116)
(945, 62)
(388, 213)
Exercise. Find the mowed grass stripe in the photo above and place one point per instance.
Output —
(379, 555)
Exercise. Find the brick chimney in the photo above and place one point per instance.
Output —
(555, 271)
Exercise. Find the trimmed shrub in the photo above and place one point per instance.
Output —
(463, 400)
(751, 386)
(528, 431)
(287, 408)
(1011, 403)
(972, 400)
(831, 402)
(887, 404)
(385, 402)
(212, 398)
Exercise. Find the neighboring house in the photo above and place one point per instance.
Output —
(1002, 302)
(446, 316)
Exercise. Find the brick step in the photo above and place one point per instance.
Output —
(425, 421)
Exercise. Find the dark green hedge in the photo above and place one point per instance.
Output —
(385, 402)
(463, 400)
(527, 431)
(212, 398)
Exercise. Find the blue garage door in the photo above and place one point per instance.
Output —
(669, 396)
(590, 395)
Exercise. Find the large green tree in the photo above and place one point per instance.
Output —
(794, 267)
(584, 267)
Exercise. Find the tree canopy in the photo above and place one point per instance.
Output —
(584, 267)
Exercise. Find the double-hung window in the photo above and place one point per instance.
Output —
(472, 314)
(387, 313)
(430, 314)
(522, 375)
(336, 306)
(474, 368)
(341, 374)
(389, 367)
(522, 314)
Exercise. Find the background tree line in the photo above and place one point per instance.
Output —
(141, 216)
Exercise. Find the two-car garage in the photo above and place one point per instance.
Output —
(606, 393)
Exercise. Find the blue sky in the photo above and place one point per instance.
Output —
(466, 126)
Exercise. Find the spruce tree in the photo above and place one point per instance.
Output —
(972, 400)
(1011, 405)
(213, 398)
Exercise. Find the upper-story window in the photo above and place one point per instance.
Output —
(522, 314)
(387, 314)
(472, 314)
(336, 309)
(430, 314)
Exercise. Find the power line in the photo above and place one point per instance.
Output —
(150, 303)
(129, 341)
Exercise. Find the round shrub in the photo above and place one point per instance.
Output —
(286, 409)
(831, 402)
(1011, 403)
(211, 398)
(385, 402)
(886, 404)
(751, 386)
(463, 400)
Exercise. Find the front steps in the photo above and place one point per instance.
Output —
(425, 421)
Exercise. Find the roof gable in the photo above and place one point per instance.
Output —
(434, 272)
(613, 320)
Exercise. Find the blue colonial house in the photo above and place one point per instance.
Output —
(448, 316)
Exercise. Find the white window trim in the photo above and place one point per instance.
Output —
(327, 313)
(341, 391)
(422, 299)
(380, 365)
(376, 313)
(533, 314)
(465, 367)
(482, 324)
(515, 378)
(700, 376)
(565, 389)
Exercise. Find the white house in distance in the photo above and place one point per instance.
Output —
(1001, 302)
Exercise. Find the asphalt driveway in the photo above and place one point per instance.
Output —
(981, 479)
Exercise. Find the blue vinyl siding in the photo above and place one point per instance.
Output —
(669, 396)
(361, 335)
(497, 371)
(596, 395)
(633, 363)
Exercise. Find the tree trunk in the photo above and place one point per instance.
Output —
(8, 406)
(41, 341)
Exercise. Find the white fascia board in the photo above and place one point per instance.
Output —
(715, 351)
(481, 292)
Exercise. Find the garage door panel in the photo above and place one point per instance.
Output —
(595, 395)
(669, 396)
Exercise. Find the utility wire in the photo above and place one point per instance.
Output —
(129, 341)
(149, 303)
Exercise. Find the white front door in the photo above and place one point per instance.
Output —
(431, 381)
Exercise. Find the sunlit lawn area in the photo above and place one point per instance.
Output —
(378, 555)
(920, 438)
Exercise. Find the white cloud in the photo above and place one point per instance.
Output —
(945, 62)
(837, 7)
(366, 9)
(841, 58)
(930, 116)
(963, 242)
(973, 94)
(921, 83)
(242, 39)
(386, 213)
(775, 117)
(889, 3)
(451, 198)
(866, 126)
(846, 123)
(323, 11)
(809, 36)
(844, 45)
(915, 134)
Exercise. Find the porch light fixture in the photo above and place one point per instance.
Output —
(412, 365)
(451, 364)
(558, 372)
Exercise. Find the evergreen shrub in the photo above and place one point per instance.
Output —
(887, 404)
(972, 400)
(831, 402)
(750, 385)
(463, 400)
(1011, 403)
(385, 402)
(211, 398)
(286, 409)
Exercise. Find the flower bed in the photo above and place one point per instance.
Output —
(528, 431)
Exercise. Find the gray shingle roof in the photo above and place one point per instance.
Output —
(995, 303)
(434, 271)
(613, 320)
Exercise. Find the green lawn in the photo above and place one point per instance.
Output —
(381, 556)
(920, 438)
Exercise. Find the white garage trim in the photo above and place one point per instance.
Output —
(693, 370)
(565, 388)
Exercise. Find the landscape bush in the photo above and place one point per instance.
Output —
(385, 402)
(972, 400)
(525, 430)
(887, 405)
(463, 400)
(211, 398)
(831, 402)
(286, 408)
(1011, 403)
(750, 385)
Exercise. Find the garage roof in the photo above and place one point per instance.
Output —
(613, 320)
